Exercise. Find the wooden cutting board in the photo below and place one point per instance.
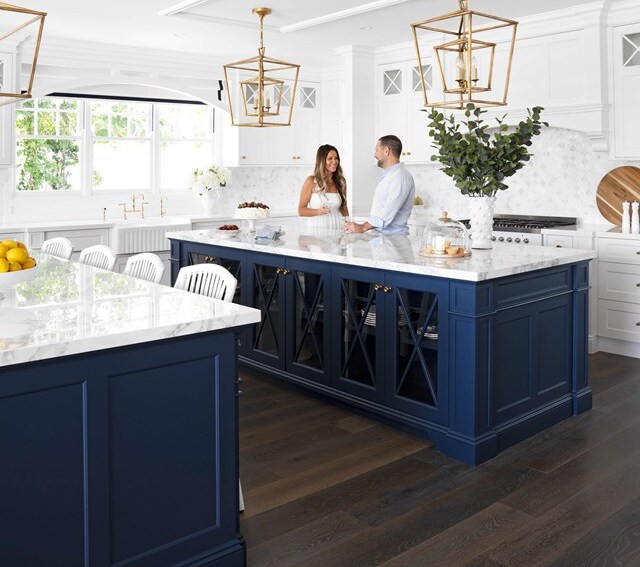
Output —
(620, 184)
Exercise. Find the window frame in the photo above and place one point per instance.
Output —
(86, 140)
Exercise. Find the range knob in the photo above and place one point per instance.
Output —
(501, 238)
(509, 239)
(493, 238)
(517, 240)
(525, 240)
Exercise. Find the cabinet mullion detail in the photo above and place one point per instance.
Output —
(309, 313)
(267, 300)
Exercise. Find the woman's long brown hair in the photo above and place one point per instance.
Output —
(320, 173)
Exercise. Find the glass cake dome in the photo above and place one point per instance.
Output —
(445, 238)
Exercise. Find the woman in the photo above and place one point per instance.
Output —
(323, 197)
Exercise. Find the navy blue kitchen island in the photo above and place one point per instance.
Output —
(474, 354)
(118, 423)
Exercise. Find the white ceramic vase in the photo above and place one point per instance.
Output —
(210, 201)
(481, 218)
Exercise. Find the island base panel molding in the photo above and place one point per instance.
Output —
(110, 460)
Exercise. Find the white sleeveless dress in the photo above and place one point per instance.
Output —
(333, 220)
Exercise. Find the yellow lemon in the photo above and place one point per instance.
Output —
(14, 266)
(4, 266)
(28, 263)
(21, 244)
(3, 251)
(17, 255)
(9, 243)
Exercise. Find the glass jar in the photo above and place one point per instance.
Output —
(445, 238)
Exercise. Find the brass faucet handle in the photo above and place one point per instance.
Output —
(124, 210)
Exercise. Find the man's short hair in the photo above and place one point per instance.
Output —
(393, 143)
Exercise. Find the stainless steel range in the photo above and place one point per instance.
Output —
(521, 229)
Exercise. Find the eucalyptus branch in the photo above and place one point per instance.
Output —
(479, 161)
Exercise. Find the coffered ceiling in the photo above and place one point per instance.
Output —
(226, 29)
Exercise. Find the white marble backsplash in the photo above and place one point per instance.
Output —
(560, 180)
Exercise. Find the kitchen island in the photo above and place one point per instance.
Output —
(118, 422)
(473, 353)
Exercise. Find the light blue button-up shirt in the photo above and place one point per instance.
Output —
(393, 200)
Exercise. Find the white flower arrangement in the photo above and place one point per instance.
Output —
(208, 179)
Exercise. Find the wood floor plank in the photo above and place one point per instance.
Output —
(330, 472)
(392, 534)
(593, 466)
(617, 542)
(294, 547)
(370, 485)
(462, 542)
(548, 536)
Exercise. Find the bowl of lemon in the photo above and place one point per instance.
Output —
(16, 264)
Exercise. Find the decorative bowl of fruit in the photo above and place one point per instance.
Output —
(16, 265)
(228, 230)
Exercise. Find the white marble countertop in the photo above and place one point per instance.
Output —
(69, 308)
(109, 223)
(395, 252)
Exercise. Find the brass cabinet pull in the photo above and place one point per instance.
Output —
(558, 245)
(638, 252)
(408, 153)
(638, 324)
(377, 287)
(638, 285)
(386, 289)
(278, 270)
(285, 272)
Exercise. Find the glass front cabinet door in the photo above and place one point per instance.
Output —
(386, 344)
(294, 329)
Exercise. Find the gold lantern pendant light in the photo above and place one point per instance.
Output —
(264, 87)
(16, 24)
(457, 59)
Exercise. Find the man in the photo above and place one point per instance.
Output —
(393, 199)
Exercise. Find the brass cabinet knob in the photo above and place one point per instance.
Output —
(244, 157)
(278, 270)
(558, 245)
(638, 252)
(377, 287)
(408, 153)
(387, 289)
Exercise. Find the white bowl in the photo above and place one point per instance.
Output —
(8, 279)
(227, 233)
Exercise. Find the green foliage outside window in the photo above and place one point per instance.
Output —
(46, 163)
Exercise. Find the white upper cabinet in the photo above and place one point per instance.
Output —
(297, 144)
(285, 145)
(626, 80)
(400, 100)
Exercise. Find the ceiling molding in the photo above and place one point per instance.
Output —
(253, 24)
(180, 7)
(362, 9)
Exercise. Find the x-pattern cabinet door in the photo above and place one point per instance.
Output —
(416, 360)
(357, 339)
(294, 330)
(307, 319)
(265, 291)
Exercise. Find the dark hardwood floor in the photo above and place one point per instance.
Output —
(326, 487)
